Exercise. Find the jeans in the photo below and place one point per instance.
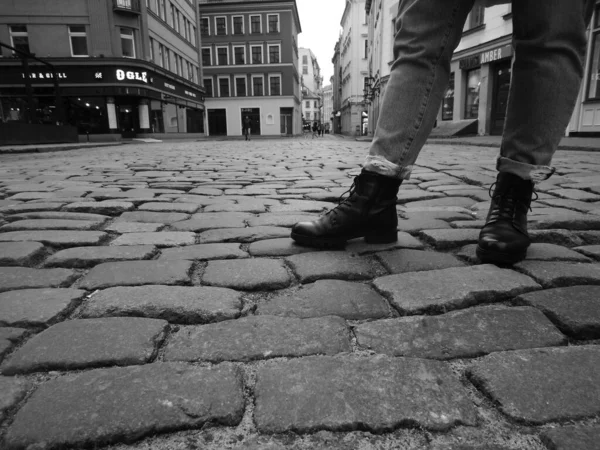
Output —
(549, 41)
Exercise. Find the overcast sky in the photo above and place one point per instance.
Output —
(320, 22)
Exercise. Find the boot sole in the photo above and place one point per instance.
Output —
(493, 257)
(372, 238)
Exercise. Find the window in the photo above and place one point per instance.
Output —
(316, 104)
(238, 24)
(224, 87)
(167, 59)
(274, 54)
(366, 49)
(222, 56)
(308, 115)
(307, 104)
(240, 86)
(127, 43)
(239, 55)
(275, 84)
(221, 26)
(256, 54)
(185, 28)
(177, 19)
(448, 103)
(204, 26)
(176, 63)
(304, 59)
(180, 62)
(257, 86)
(78, 38)
(162, 10)
(594, 84)
(304, 70)
(273, 20)
(255, 24)
(206, 56)
(172, 16)
(476, 17)
(193, 35)
(472, 99)
(19, 37)
(161, 55)
(208, 85)
(151, 48)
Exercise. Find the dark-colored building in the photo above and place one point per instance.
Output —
(124, 66)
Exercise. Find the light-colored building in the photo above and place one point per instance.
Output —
(336, 82)
(328, 107)
(312, 83)
(125, 67)
(353, 54)
(250, 66)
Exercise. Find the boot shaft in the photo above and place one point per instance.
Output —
(511, 200)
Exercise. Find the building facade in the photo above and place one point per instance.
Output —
(354, 49)
(312, 84)
(328, 107)
(249, 58)
(336, 83)
(124, 67)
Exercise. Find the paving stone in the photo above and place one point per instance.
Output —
(280, 219)
(204, 252)
(571, 437)
(407, 260)
(8, 337)
(159, 239)
(82, 257)
(36, 307)
(558, 237)
(277, 247)
(571, 221)
(405, 240)
(435, 214)
(463, 202)
(462, 224)
(134, 227)
(50, 224)
(188, 208)
(209, 221)
(12, 278)
(452, 288)
(31, 207)
(460, 334)
(301, 205)
(136, 273)
(152, 217)
(575, 310)
(206, 191)
(56, 238)
(108, 207)
(575, 194)
(12, 390)
(591, 237)
(352, 301)
(150, 399)
(557, 274)
(412, 195)
(249, 234)
(341, 394)
(177, 304)
(20, 253)
(259, 337)
(59, 215)
(445, 239)
(593, 251)
(416, 225)
(85, 343)
(537, 386)
(330, 264)
(247, 274)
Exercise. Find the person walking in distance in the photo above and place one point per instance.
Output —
(247, 127)
(549, 41)
(314, 130)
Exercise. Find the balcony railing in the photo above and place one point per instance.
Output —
(132, 6)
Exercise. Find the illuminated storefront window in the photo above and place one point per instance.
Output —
(472, 96)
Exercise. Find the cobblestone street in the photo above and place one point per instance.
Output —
(151, 298)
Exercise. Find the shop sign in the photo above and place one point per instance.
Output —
(495, 54)
(131, 75)
(44, 75)
(469, 63)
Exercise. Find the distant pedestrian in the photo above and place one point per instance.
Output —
(320, 130)
(247, 126)
(314, 130)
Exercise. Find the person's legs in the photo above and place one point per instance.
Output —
(427, 32)
(549, 39)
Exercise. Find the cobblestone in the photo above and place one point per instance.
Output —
(11, 391)
(19, 253)
(331, 264)
(8, 337)
(26, 278)
(556, 274)
(159, 239)
(251, 274)
(571, 437)
(56, 238)
(82, 257)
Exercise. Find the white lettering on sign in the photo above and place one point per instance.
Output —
(131, 75)
(98, 75)
(596, 76)
(191, 94)
(41, 75)
(170, 86)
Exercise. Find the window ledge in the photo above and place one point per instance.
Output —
(474, 29)
(507, 16)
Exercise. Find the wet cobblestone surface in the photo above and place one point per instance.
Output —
(151, 298)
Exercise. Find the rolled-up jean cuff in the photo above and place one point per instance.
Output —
(524, 170)
(382, 166)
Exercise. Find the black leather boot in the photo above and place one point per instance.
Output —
(369, 212)
(504, 238)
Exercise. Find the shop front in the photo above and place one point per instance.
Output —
(112, 96)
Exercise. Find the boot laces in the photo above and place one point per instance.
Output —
(343, 201)
(506, 202)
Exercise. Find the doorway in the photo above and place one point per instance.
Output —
(502, 74)
(127, 122)
(286, 119)
(217, 122)
(254, 115)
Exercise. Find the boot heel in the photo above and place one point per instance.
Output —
(382, 236)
